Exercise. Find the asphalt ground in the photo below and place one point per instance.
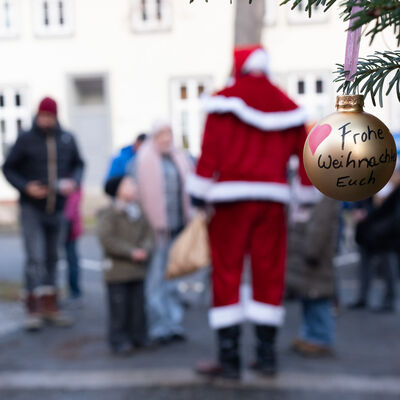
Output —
(75, 363)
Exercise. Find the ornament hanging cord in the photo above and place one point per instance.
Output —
(352, 49)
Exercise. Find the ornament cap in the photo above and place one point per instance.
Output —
(350, 103)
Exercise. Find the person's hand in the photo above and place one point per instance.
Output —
(66, 187)
(359, 215)
(36, 190)
(139, 255)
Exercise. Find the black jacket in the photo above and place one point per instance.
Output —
(28, 160)
(380, 230)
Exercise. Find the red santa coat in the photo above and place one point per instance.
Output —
(252, 130)
(248, 140)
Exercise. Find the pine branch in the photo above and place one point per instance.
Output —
(311, 4)
(382, 13)
(372, 72)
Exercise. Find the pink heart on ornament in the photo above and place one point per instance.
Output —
(318, 135)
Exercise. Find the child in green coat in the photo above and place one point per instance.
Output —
(127, 241)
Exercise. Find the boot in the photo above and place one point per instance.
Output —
(49, 310)
(266, 362)
(33, 321)
(357, 305)
(228, 366)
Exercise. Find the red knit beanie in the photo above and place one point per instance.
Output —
(48, 105)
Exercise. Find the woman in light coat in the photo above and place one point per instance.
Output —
(160, 170)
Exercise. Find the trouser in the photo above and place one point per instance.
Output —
(164, 305)
(41, 236)
(257, 229)
(73, 268)
(388, 262)
(127, 318)
(318, 322)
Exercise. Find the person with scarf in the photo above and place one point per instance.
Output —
(160, 170)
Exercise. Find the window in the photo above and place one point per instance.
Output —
(89, 91)
(300, 87)
(151, 15)
(14, 116)
(319, 86)
(270, 14)
(53, 17)
(310, 91)
(8, 18)
(187, 114)
(300, 16)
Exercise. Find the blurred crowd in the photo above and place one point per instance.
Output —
(256, 208)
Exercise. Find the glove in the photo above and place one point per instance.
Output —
(197, 202)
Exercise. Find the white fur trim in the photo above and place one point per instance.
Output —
(266, 121)
(222, 317)
(257, 61)
(237, 191)
(264, 314)
(198, 186)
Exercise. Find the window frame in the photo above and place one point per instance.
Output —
(139, 25)
(10, 114)
(54, 29)
(190, 106)
(13, 30)
(316, 104)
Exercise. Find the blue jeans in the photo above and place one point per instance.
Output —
(318, 324)
(73, 269)
(41, 234)
(164, 306)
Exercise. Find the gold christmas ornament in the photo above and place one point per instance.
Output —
(350, 155)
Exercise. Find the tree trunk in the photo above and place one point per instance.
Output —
(249, 22)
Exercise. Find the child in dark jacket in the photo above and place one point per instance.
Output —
(310, 275)
(127, 241)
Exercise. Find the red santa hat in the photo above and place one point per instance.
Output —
(250, 58)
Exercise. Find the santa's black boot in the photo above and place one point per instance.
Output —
(266, 361)
(228, 366)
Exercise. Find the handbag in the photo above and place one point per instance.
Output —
(191, 250)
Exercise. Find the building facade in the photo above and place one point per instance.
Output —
(114, 66)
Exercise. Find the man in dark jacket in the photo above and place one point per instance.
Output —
(45, 166)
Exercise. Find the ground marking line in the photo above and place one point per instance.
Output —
(178, 377)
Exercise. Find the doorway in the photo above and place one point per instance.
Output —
(90, 121)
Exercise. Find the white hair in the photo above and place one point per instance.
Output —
(159, 124)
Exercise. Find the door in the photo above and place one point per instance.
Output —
(90, 121)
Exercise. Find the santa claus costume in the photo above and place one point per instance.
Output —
(252, 130)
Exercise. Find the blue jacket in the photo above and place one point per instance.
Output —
(119, 163)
